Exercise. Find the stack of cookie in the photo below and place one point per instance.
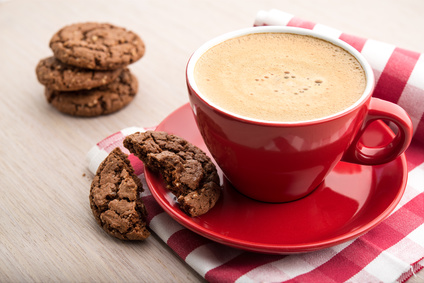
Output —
(88, 74)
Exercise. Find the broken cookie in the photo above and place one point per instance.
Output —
(115, 198)
(188, 172)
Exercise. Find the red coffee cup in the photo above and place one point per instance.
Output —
(285, 161)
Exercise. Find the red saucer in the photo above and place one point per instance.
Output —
(351, 201)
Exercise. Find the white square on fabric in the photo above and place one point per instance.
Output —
(164, 226)
(416, 178)
(363, 276)
(377, 53)
(209, 256)
(273, 17)
(418, 237)
(386, 267)
(328, 31)
(264, 273)
(132, 130)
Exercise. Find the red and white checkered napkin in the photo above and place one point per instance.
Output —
(393, 251)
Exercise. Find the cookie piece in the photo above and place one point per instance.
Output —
(99, 46)
(115, 198)
(188, 172)
(97, 101)
(58, 76)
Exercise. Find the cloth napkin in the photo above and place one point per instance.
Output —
(391, 252)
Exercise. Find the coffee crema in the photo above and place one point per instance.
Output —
(280, 77)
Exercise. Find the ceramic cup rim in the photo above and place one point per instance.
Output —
(369, 74)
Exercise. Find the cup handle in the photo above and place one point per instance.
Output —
(381, 110)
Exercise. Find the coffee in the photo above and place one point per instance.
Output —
(280, 77)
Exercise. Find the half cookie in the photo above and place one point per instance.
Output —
(188, 172)
(115, 199)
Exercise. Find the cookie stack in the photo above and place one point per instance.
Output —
(88, 74)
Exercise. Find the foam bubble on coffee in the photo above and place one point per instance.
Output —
(280, 77)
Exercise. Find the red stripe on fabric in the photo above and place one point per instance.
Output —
(238, 266)
(355, 41)
(415, 153)
(297, 22)
(152, 207)
(395, 75)
(337, 269)
(409, 53)
(184, 241)
(136, 163)
(419, 131)
(369, 246)
(415, 206)
(110, 140)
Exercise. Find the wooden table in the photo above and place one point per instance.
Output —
(47, 231)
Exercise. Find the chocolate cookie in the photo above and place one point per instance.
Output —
(188, 172)
(115, 199)
(98, 46)
(58, 76)
(97, 101)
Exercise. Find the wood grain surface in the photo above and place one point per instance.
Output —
(47, 231)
